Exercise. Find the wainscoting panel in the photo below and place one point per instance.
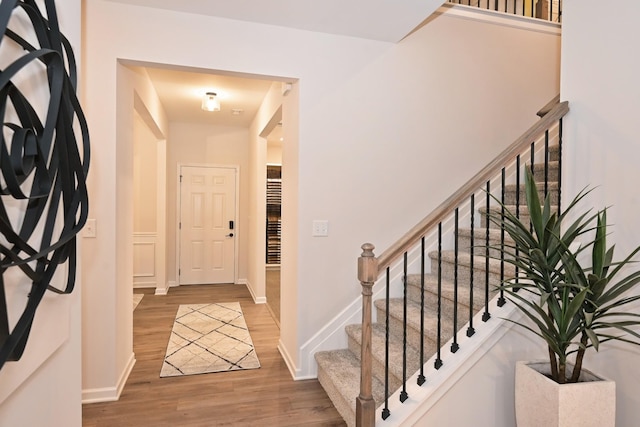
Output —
(145, 256)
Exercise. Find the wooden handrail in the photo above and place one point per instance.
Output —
(441, 212)
(549, 106)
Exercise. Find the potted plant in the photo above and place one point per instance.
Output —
(572, 305)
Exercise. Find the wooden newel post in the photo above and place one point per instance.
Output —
(367, 275)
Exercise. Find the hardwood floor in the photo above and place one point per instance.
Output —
(272, 288)
(258, 397)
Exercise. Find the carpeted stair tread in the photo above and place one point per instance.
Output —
(447, 291)
(553, 167)
(378, 334)
(396, 312)
(339, 374)
(480, 240)
(479, 262)
(510, 192)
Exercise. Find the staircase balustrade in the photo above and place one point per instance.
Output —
(473, 291)
(549, 10)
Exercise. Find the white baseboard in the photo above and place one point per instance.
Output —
(256, 300)
(333, 335)
(110, 394)
(165, 290)
(162, 291)
(295, 373)
(143, 285)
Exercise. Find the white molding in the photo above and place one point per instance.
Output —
(288, 360)
(110, 394)
(161, 291)
(256, 300)
(140, 285)
(145, 234)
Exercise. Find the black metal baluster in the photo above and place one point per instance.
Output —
(546, 163)
(438, 362)
(533, 158)
(560, 14)
(403, 394)
(517, 204)
(533, 171)
(470, 330)
(550, 10)
(486, 315)
(385, 410)
(456, 263)
(421, 378)
(559, 165)
(495, 5)
(518, 186)
(501, 300)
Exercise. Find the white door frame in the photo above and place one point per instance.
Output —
(236, 227)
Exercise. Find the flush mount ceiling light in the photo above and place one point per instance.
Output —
(209, 102)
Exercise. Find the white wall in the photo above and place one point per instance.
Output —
(274, 153)
(107, 336)
(145, 170)
(197, 144)
(269, 110)
(600, 81)
(487, 389)
(49, 393)
(371, 120)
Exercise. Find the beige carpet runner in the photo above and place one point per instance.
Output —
(209, 338)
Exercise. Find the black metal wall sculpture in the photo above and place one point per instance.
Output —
(43, 161)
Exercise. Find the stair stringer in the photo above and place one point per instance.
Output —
(424, 400)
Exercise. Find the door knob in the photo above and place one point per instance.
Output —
(230, 235)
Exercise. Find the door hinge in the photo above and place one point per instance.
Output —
(179, 271)
(180, 178)
(179, 226)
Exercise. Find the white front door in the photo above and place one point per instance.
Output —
(207, 225)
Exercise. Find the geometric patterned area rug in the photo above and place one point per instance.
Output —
(209, 338)
(136, 300)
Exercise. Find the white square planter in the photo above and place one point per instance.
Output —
(541, 401)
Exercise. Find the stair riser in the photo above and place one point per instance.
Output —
(523, 215)
(377, 366)
(479, 247)
(464, 276)
(413, 335)
(343, 408)
(552, 172)
(447, 305)
(510, 195)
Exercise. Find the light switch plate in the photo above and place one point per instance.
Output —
(89, 229)
(320, 228)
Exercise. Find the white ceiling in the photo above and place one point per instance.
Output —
(384, 20)
(180, 91)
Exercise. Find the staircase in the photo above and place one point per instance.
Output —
(459, 281)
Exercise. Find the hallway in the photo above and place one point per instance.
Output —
(266, 396)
